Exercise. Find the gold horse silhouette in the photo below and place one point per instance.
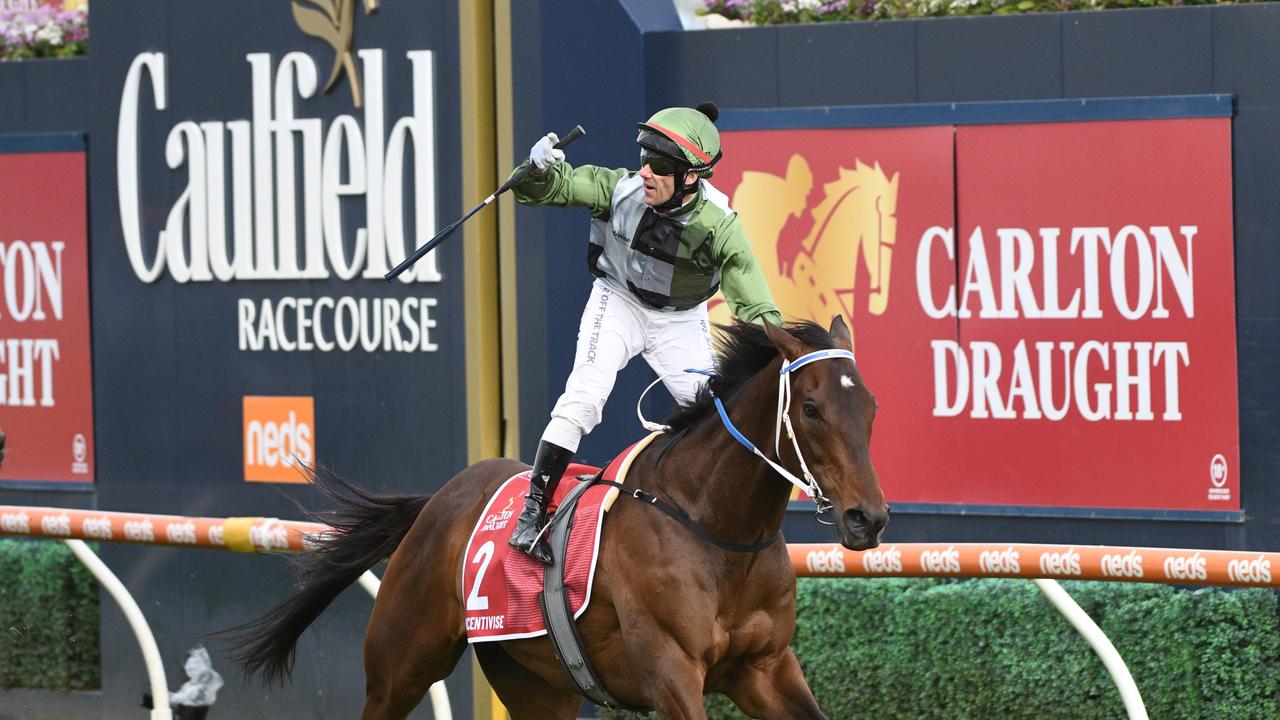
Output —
(814, 278)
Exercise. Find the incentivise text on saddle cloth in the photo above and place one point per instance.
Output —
(662, 241)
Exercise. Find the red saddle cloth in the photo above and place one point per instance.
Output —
(502, 584)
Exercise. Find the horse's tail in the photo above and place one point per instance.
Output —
(368, 527)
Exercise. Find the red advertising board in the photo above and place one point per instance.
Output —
(1044, 311)
(46, 389)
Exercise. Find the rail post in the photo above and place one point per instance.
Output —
(1100, 643)
(160, 709)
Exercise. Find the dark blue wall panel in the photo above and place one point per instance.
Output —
(531, 284)
(1016, 57)
(44, 96)
(1137, 53)
(1245, 53)
(739, 64)
(847, 64)
(51, 109)
(13, 87)
(594, 79)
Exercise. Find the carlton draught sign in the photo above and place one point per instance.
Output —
(1044, 311)
(46, 393)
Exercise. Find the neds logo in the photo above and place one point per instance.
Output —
(1063, 563)
(1116, 565)
(888, 560)
(1000, 561)
(270, 535)
(1186, 568)
(1257, 570)
(56, 525)
(15, 522)
(279, 435)
(825, 561)
(941, 561)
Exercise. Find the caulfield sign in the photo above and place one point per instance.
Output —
(264, 195)
(1068, 342)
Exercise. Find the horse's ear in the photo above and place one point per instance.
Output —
(787, 344)
(840, 333)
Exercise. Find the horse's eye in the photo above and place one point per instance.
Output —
(810, 410)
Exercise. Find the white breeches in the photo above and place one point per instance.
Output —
(615, 328)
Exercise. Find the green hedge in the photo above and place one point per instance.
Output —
(49, 616)
(916, 649)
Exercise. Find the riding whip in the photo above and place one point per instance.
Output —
(514, 180)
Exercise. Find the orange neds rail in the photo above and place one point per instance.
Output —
(1005, 560)
(993, 560)
(243, 534)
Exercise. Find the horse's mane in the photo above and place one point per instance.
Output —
(742, 350)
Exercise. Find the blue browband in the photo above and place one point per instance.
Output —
(813, 357)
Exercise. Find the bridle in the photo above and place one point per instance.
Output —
(809, 484)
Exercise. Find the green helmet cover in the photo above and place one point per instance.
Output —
(692, 131)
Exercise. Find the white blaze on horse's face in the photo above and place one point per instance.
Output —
(841, 444)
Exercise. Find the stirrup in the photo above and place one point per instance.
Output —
(540, 538)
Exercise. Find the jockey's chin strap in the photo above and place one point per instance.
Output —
(809, 485)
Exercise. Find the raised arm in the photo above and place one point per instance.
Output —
(555, 182)
(563, 185)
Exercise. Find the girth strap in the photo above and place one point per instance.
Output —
(561, 626)
(694, 527)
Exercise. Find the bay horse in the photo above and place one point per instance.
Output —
(672, 617)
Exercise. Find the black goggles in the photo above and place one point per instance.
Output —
(659, 164)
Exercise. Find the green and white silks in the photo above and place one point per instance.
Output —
(668, 262)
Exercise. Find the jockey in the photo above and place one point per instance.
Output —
(662, 241)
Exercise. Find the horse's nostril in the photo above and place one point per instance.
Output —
(856, 519)
(859, 520)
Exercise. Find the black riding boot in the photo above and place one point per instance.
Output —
(548, 466)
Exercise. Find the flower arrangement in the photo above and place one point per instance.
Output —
(783, 12)
(43, 32)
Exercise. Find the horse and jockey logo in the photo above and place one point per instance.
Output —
(334, 22)
(815, 248)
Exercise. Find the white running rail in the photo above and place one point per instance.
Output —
(150, 653)
(242, 534)
(1100, 643)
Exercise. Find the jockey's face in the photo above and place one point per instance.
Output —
(659, 188)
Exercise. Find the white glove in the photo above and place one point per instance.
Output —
(544, 154)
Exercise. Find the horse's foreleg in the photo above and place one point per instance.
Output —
(676, 687)
(774, 688)
(526, 696)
